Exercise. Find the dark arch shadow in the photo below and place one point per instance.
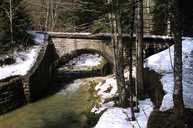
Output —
(63, 75)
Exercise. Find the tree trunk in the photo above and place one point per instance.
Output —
(130, 63)
(178, 89)
(47, 15)
(139, 49)
(169, 30)
(52, 18)
(118, 52)
(11, 25)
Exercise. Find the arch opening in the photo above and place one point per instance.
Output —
(83, 63)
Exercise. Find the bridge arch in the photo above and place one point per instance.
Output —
(68, 48)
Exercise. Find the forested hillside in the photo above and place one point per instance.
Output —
(14, 24)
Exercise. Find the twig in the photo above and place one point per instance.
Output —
(171, 59)
(144, 112)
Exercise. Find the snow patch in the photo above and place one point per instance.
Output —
(24, 62)
(108, 89)
(121, 118)
(105, 91)
(86, 60)
(103, 107)
(167, 102)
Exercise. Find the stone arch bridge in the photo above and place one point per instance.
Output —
(67, 43)
(16, 90)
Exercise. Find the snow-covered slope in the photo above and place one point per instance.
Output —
(24, 60)
(162, 63)
(115, 117)
(120, 118)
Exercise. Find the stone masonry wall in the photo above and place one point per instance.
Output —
(18, 90)
(67, 46)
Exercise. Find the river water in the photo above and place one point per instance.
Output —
(66, 106)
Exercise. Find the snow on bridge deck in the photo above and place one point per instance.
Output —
(107, 36)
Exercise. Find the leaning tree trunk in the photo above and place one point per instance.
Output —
(139, 48)
(118, 52)
(178, 89)
(129, 56)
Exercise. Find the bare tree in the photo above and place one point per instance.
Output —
(139, 84)
(118, 51)
(130, 59)
(51, 15)
(10, 13)
(11, 20)
(178, 89)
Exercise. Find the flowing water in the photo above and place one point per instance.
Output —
(66, 106)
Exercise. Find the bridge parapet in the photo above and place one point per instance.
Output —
(108, 36)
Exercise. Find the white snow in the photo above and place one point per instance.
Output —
(110, 84)
(158, 36)
(161, 63)
(105, 91)
(121, 118)
(102, 107)
(86, 60)
(24, 60)
(115, 117)
(38, 37)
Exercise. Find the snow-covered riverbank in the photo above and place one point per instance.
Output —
(115, 117)
(24, 62)
(24, 59)
(162, 63)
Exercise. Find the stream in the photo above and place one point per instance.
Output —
(67, 106)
